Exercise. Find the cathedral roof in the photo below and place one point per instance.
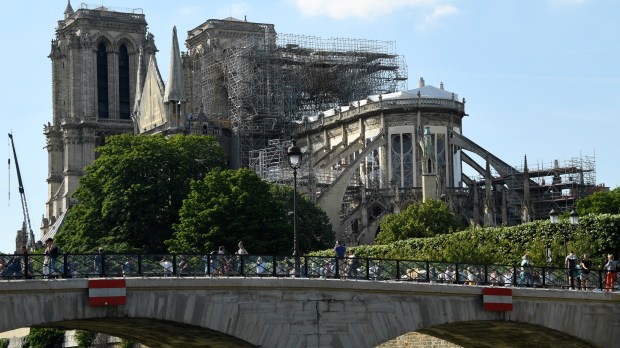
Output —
(424, 91)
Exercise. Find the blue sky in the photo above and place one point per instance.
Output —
(540, 77)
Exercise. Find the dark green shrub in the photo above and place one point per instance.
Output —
(46, 338)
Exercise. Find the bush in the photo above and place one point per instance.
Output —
(596, 235)
(46, 338)
(84, 338)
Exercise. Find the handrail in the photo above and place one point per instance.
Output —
(40, 266)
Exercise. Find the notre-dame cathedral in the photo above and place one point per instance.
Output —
(370, 146)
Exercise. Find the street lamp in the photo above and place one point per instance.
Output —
(574, 221)
(574, 218)
(294, 161)
(555, 218)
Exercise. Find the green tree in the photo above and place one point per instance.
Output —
(130, 196)
(314, 231)
(46, 338)
(600, 203)
(84, 338)
(228, 206)
(418, 220)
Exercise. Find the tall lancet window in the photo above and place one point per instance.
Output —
(402, 159)
(123, 83)
(102, 81)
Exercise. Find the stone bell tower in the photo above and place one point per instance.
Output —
(94, 72)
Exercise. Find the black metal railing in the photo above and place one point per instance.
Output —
(39, 266)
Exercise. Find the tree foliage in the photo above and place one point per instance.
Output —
(314, 231)
(229, 206)
(600, 203)
(596, 235)
(84, 338)
(418, 220)
(130, 196)
(46, 338)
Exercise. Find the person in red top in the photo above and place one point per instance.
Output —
(610, 277)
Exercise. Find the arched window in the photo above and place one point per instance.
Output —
(123, 83)
(102, 81)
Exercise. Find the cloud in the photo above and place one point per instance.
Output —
(440, 12)
(373, 9)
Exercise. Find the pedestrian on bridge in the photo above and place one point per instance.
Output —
(26, 263)
(571, 263)
(526, 271)
(585, 265)
(99, 263)
(129, 268)
(240, 254)
(51, 254)
(340, 251)
(610, 277)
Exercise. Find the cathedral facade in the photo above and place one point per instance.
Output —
(94, 80)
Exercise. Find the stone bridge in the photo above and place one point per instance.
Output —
(298, 312)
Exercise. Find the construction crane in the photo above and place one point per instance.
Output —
(30, 244)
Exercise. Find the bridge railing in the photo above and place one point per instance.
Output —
(38, 266)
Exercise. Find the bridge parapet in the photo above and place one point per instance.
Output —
(285, 312)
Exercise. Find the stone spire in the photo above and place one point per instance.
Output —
(429, 166)
(175, 88)
(68, 10)
(421, 83)
(138, 96)
(489, 203)
(526, 213)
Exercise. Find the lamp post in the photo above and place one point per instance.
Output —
(294, 161)
(554, 217)
(574, 221)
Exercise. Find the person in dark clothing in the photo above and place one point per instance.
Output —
(585, 265)
(571, 265)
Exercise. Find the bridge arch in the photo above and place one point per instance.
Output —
(154, 332)
(161, 333)
(287, 312)
(495, 334)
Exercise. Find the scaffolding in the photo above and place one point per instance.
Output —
(260, 82)
(557, 185)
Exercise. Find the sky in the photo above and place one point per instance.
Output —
(540, 77)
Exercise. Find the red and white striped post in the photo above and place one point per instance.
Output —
(107, 292)
(497, 299)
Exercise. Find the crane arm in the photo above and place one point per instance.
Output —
(30, 242)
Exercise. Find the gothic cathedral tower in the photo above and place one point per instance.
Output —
(94, 73)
